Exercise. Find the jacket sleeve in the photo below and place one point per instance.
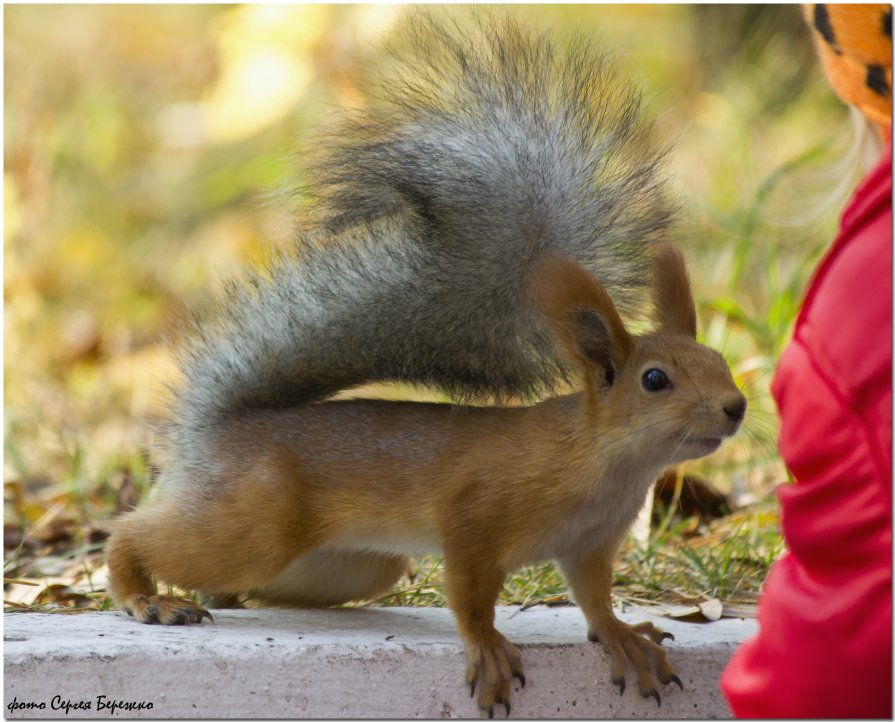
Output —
(824, 647)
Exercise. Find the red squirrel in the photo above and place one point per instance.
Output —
(473, 232)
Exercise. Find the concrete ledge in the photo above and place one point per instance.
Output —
(367, 663)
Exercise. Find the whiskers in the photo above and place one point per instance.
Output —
(647, 442)
(684, 439)
(760, 429)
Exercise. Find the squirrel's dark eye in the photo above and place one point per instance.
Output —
(655, 380)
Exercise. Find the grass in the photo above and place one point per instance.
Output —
(136, 175)
(729, 562)
(726, 559)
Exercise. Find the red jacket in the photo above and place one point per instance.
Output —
(824, 648)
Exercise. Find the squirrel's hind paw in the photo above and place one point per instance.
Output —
(164, 609)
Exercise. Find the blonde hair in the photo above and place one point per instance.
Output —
(816, 191)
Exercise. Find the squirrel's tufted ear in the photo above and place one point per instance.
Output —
(582, 317)
(672, 297)
(594, 341)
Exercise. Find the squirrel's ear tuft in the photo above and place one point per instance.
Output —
(582, 317)
(672, 297)
(594, 342)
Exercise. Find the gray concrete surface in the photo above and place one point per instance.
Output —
(361, 663)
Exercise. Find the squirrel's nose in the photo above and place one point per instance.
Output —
(735, 408)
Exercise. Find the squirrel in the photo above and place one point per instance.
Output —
(479, 229)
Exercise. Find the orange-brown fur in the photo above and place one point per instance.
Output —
(306, 501)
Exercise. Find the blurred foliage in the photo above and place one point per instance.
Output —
(145, 144)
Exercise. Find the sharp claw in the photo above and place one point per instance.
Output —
(506, 705)
(490, 713)
(520, 677)
(621, 685)
(666, 635)
(677, 680)
(188, 615)
(655, 695)
(472, 688)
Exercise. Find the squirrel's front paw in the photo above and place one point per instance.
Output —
(164, 609)
(491, 665)
(636, 644)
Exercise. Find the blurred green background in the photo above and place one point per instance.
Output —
(144, 147)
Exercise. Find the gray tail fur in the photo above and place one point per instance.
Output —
(488, 148)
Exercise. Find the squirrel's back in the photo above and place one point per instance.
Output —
(485, 149)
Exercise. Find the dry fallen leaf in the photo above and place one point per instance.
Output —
(740, 611)
(64, 596)
(710, 610)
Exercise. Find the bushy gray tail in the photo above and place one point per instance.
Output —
(488, 148)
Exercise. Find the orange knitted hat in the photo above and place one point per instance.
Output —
(855, 46)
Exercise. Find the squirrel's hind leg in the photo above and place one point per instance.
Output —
(134, 591)
(221, 548)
